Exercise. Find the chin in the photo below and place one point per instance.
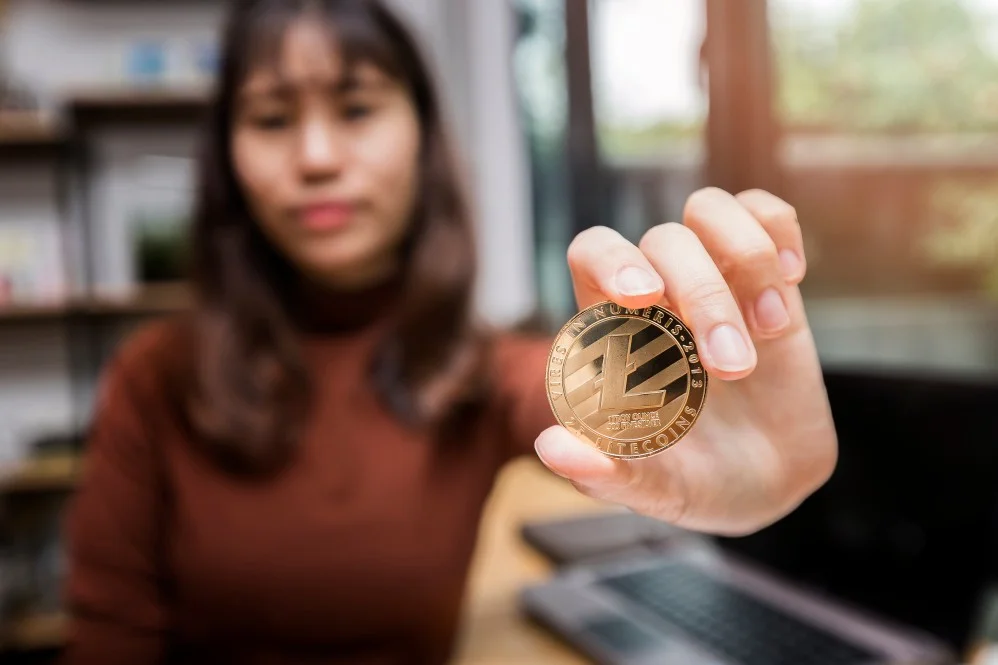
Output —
(341, 268)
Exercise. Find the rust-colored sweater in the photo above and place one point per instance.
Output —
(358, 553)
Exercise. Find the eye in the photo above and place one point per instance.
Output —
(357, 111)
(267, 116)
(272, 121)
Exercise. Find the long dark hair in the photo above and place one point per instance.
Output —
(252, 389)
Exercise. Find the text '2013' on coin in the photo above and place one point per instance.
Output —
(629, 381)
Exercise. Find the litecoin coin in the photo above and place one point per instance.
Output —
(629, 381)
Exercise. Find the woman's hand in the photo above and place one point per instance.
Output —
(765, 439)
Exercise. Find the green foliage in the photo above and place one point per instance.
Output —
(647, 140)
(902, 66)
(898, 65)
(964, 233)
(161, 249)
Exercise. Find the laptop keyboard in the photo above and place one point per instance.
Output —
(731, 623)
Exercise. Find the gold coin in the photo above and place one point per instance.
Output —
(629, 381)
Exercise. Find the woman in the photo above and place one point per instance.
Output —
(294, 472)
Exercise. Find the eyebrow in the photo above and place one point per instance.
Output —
(285, 88)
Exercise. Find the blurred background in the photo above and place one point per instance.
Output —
(877, 119)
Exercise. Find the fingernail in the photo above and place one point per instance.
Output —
(543, 448)
(770, 311)
(632, 281)
(550, 449)
(728, 349)
(791, 263)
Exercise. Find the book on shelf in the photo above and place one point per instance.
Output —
(32, 269)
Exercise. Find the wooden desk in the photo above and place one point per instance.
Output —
(493, 632)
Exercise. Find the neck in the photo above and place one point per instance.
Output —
(364, 277)
(325, 307)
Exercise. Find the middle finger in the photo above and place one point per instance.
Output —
(695, 285)
(746, 255)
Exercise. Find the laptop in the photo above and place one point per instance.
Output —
(906, 529)
(679, 599)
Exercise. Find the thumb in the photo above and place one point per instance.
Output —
(570, 457)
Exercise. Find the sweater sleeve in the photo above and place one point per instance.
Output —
(520, 365)
(113, 595)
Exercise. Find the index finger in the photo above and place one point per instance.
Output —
(605, 266)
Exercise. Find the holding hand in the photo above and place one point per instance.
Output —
(765, 439)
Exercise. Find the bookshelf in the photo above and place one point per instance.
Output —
(23, 128)
(73, 171)
(24, 135)
(55, 473)
(37, 632)
(149, 300)
(25, 131)
(44, 481)
(139, 105)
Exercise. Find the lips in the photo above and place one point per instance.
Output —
(326, 216)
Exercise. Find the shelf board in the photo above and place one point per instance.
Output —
(24, 133)
(34, 632)
(139, 104)
(150, 300)
(55, 473)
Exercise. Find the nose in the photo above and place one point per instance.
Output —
(322, 149)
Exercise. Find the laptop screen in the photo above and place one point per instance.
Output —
(908, 524)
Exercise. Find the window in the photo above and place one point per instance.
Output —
(890, 141)
(615, 118)
(650, 107)
(876, 119)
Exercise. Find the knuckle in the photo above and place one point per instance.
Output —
(585, 490)
(706, 292)
(753, 193)
(788, 479)
(581, 245)
(663, 234)
(768, 208)
(703, 200)
(749, 255)
(757, 256)
(600, 233)
(671, 507)
(672, 501)
(756, 197)
(632, 476)
(619, 256)
(709, 194)
(792, 217)
(777, 213)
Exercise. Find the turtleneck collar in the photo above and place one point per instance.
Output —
(316, 309)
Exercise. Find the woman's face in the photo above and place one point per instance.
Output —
(327, 159)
